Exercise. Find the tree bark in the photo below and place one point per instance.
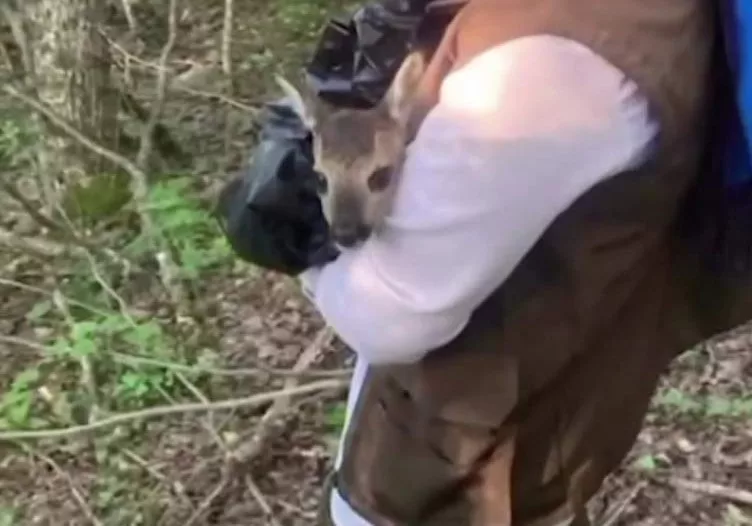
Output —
(72, 74)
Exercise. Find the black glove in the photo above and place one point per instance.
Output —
(271, 214)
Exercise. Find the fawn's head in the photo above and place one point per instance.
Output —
(359, 153)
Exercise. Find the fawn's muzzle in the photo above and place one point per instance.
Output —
(350, 234)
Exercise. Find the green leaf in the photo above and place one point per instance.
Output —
(718, 406)
(144, 334)
(19, 412)
(744, 407)
(678, 400)
(646, 463)
(61, 347)
(113, 323)
(83, 348)
(7, 516)
(337, 415)
(26, 377)
(84, 330)
(134, 383)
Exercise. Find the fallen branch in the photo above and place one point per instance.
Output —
(251, 449)
(711, 489)
(154, 412)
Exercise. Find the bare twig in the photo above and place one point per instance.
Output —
(254, 110)
(138, 176)
(37, 247)
(613, 514)
(140, 182)
(252, 107)
(131, 360)
(713, 490)
(19, 35)
(227, 40)
(41, 108)
(740, 459)
(147, 136)
(128, 12)
(66, 231)
(207, 502)
(308, 515)
(48, 293)
(30, 208)
(22, 342)
(262, 502)
(209, 423)
(241, 372)
(154, 412)
(176, 487)
(77, 495)
(251, 449)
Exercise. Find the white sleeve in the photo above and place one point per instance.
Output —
(519, 133)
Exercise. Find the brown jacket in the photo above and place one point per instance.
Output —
(521, 417)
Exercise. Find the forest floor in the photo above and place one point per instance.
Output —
(692, 464)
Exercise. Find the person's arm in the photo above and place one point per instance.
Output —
(519, 133)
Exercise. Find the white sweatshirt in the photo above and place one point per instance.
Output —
(518, 134)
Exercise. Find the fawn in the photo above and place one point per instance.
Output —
(358, 153)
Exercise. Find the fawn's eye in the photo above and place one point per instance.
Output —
(321, 184)
(379, 179)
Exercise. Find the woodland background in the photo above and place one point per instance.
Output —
(147, 376)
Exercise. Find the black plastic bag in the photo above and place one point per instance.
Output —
(271, 213)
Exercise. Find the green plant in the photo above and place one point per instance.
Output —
(189, 229)
(679, 402)
(102, 336)
(17, 135)
(122, 363)
(8, 516)
(16, 402)
(336, 417)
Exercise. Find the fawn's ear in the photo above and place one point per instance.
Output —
(303, 102)
(399, 97)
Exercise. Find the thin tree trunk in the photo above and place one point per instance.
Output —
(72, 75)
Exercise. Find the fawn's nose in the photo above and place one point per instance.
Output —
(350, 234)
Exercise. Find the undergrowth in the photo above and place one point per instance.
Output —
(103, 356)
